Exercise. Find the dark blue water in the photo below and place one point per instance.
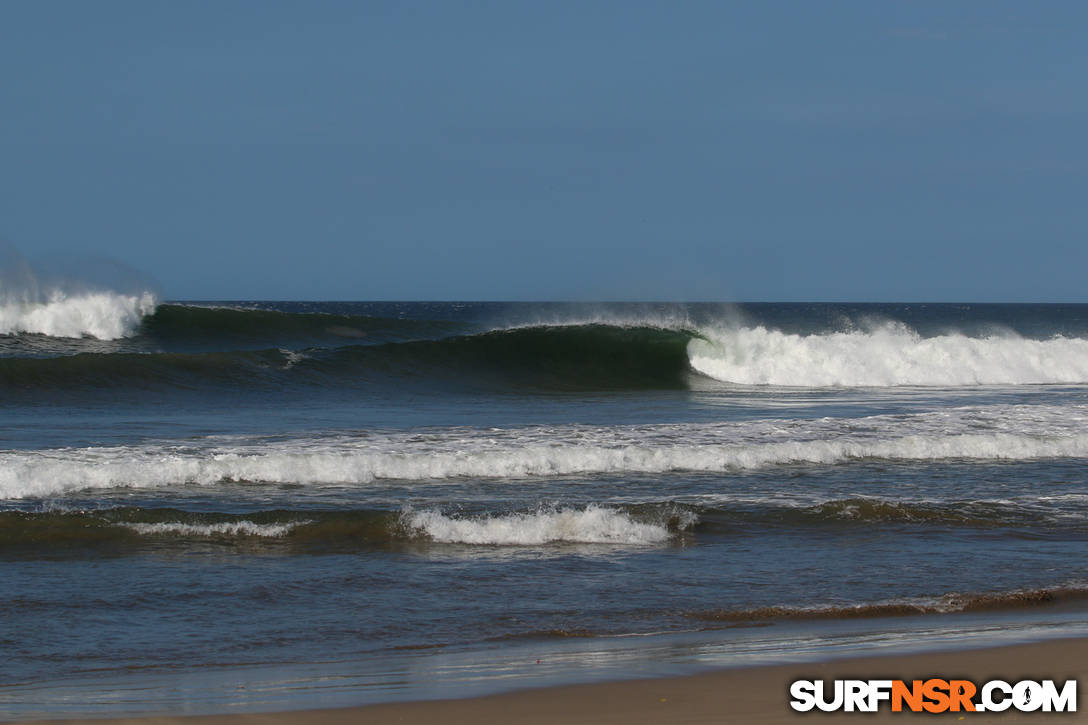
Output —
(376, 500)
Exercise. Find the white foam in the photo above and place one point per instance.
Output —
(104, 315)
(887, 355)
(592, 525)
(231, 528)
(994, 432)
(31, 474)
(292, 358)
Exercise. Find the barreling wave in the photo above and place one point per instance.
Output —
(193, 346)
(951, 603)
(578, 357)
(887, 355)
(101, 315)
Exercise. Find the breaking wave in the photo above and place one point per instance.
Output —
(889, 355)
(47, 532)
(592, 525)
(183, 346)
(102, 315)
(129, 528)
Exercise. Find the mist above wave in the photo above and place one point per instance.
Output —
(92, 298)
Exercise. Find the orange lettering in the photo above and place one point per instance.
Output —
(937, 692)
(912, 695)
(961, 693)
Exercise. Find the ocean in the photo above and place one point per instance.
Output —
(246, 506)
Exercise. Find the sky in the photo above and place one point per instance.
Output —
(764, 150)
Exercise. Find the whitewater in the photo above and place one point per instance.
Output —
(101, 315)
(890, 355)
(429, 481)
(993, 433)
(869, 354)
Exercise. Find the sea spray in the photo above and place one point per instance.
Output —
(73, 304)
(102, 315)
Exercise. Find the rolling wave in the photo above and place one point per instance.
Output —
(187, 346)
(41, 533)
(952, 603)
(578, 357)
(132, 528)
(181, 324)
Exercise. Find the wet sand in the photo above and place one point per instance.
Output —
(743, 695)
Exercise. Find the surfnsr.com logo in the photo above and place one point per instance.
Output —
(933, 695)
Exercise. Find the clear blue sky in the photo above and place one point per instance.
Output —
(553, 150)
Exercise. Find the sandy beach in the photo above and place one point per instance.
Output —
(745, 695)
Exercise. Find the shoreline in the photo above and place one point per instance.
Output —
(755, 694)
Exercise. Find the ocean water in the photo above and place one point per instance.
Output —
(244, 506)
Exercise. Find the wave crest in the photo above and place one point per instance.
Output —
(592, 525)
(226, 528)
(103, 315)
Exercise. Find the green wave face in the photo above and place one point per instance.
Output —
(582, 357)
(572, 357)
(186, 324)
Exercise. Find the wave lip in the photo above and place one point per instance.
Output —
(103, 315)
(226, 528)
(211, 325)
(885, 356)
